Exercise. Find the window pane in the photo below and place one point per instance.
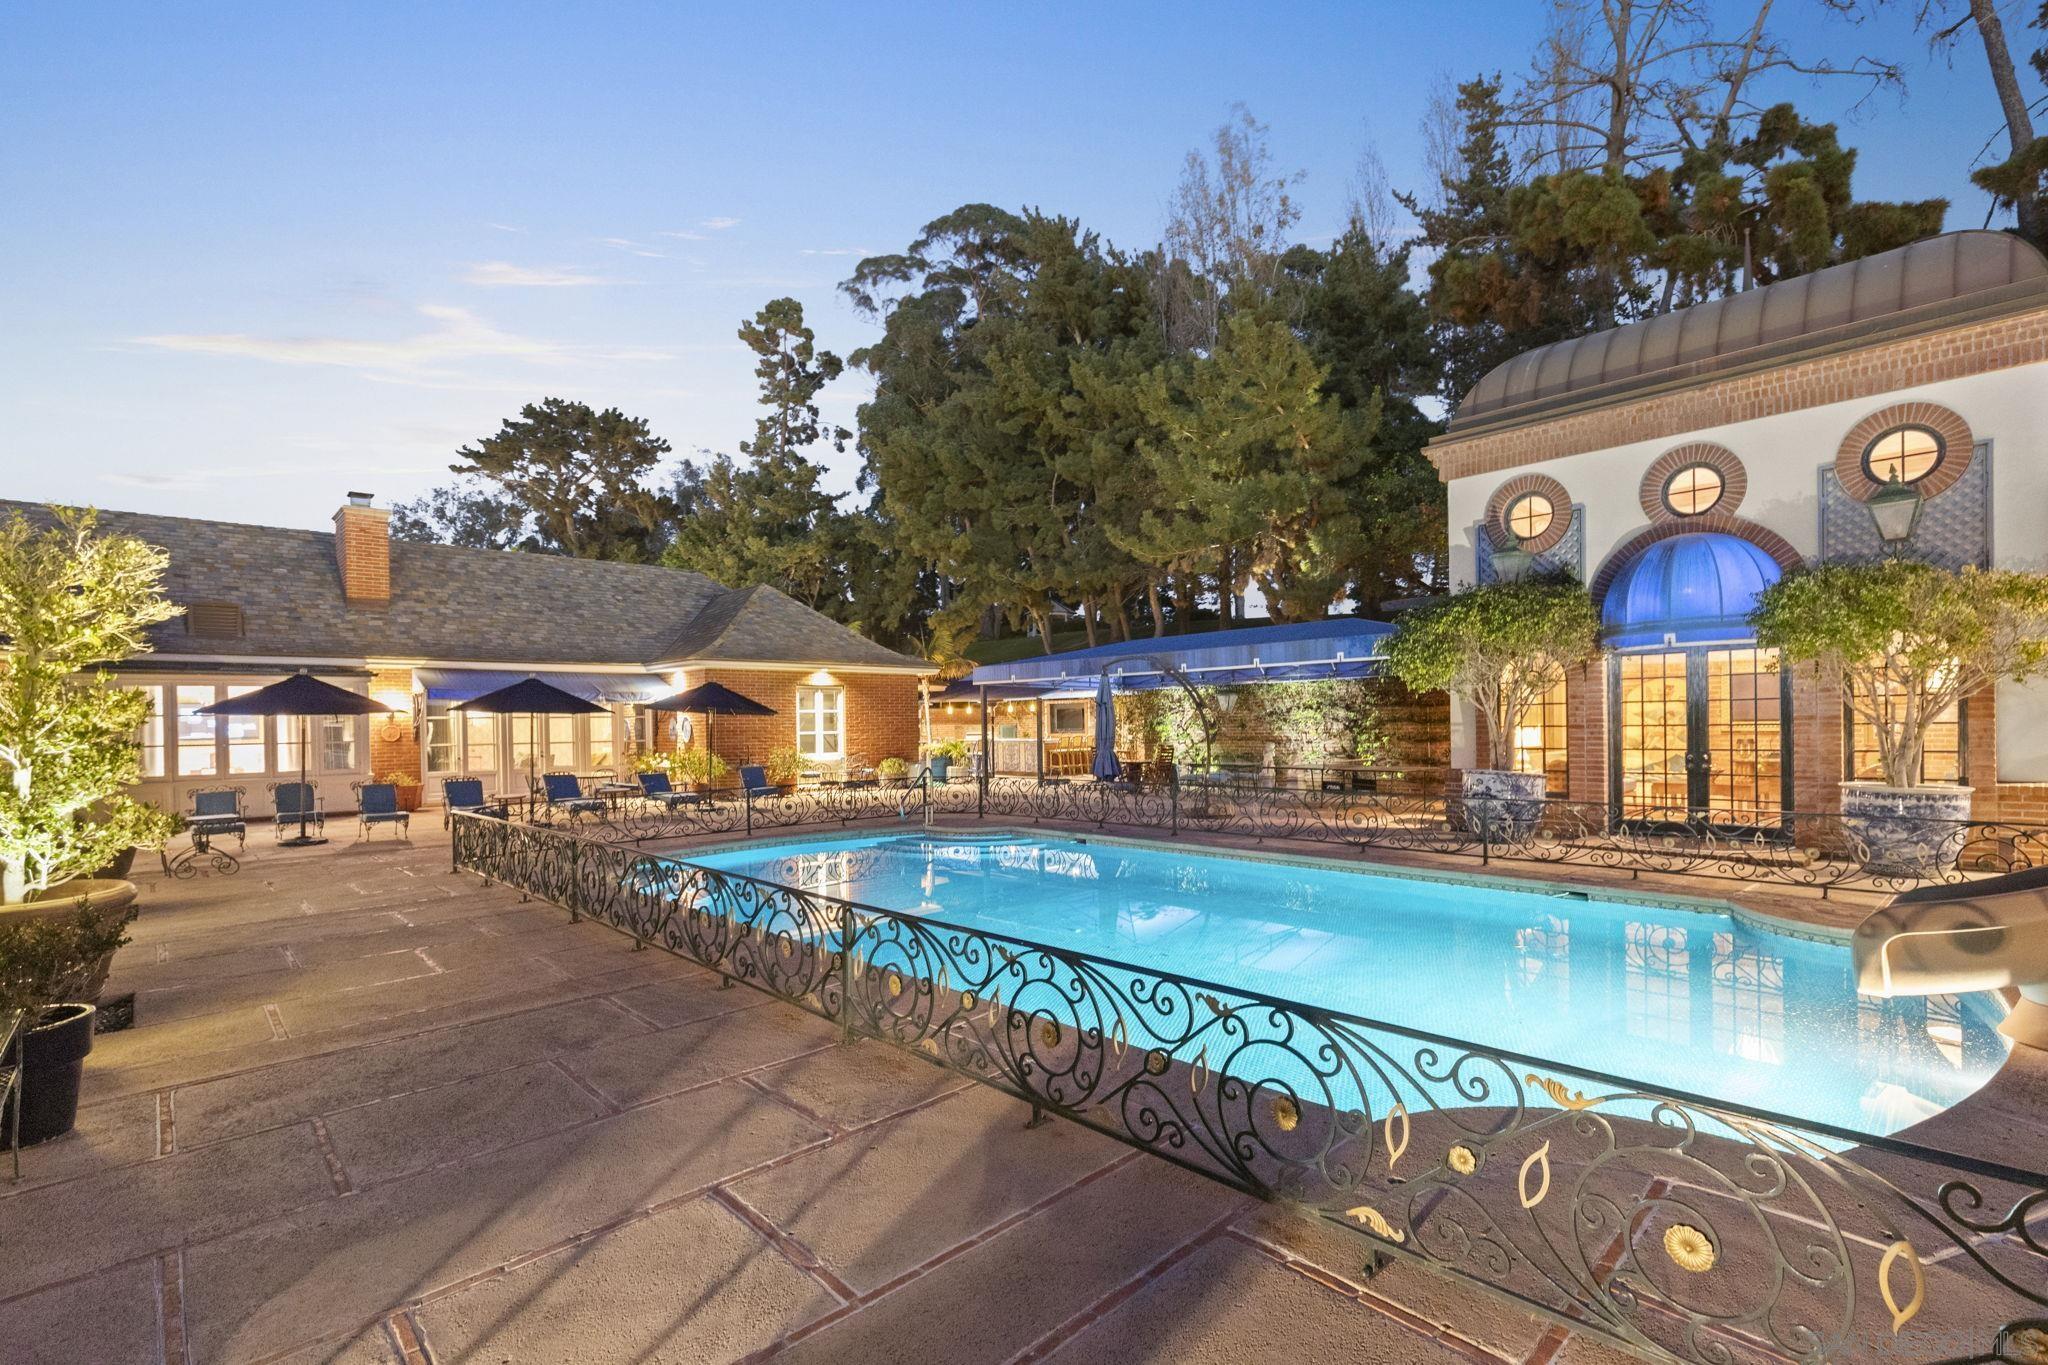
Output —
(151, 734)
(1910, 453)
(440, 738)
(1530, 515)
(561, 744)
(196, 734)
(1694, 489)
(1941, 757)
(337, 743)
(601, 741)
(245, 738)
(818, 723)
(480, 743)
(1540, 740)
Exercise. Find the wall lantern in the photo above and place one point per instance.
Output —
(1511, 561)
(1895, 508)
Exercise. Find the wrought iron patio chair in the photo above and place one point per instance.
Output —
(217, 811)
(754, 780)
(657, 787)
(298, 804)
(563, 792)
(467, 794)
(377, 804)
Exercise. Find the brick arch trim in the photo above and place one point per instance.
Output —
(1765, 539)
(1504, 497)
(1957, 447)
(1734, 480)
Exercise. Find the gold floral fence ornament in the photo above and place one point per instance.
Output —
(1689, 1248)
(1462, 1160)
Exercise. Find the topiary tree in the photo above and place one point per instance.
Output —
(1907, 640)
(1500, 646)
(71, 601)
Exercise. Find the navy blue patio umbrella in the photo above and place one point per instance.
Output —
(532, 698)
(710, 699)
(300, 695)
(1107, 769)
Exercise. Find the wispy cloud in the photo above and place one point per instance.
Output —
(497, 274)
(682, 235)
(456, 335)
(835, 251)
(504, 227)
(719, 224)
(627, 244)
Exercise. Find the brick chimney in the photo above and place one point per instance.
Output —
(362, 551)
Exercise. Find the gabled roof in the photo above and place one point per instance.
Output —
(453, 604)
(1925, 286)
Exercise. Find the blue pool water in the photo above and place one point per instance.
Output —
(1674, 998)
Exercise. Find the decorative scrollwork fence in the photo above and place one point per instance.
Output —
(1808, 850)
(1680, 1226)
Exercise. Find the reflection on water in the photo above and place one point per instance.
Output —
(1677, 999)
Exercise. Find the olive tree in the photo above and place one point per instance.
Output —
(1907, 641)
(71, 601)
(1500, 646)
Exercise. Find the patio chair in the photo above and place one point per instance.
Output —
(467, 794)
(377, 804)
(657, 787)
(297, 803)
(561, 791)
(754, 780)
(219, 812)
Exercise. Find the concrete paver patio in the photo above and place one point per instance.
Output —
(374, 1112)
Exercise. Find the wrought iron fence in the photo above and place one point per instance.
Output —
(1804, 849)
(1681, 1226)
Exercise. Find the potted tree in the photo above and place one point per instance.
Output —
(53, 968)
(699, 768)
(892, 771)
(1500, 647)
(784, 767)
(941, 757)
(408, 788)
(1906, 641)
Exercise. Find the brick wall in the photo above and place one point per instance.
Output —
(393, 748)
(362, 554)
(1859, 373)
(881, 715)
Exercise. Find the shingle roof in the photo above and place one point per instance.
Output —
(462, 605)
(1923, 286)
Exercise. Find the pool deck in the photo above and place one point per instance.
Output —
(374, 1112)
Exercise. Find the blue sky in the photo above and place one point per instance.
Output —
(260, 254)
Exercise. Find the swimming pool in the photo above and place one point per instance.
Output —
(1692, 1000)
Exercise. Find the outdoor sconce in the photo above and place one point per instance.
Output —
(1511, 562)
(1895, 508)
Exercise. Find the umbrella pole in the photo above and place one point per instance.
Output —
(302, 839)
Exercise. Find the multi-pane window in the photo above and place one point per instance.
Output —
(1941, 757)
(480, 742)
(1529, 516)
(601, 742)
(151, 734)
(1694, 489)
(1908, 454)
(1540, 740)
(561, 744)
(197, 734)
(439, 734)
(246, 751)
(1067, 717)
(820, 732)
(337, 735)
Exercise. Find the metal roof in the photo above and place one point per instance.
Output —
(1697, 588)
(1919, 287)
(1339, 646)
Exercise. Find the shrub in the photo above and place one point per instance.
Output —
(892, 768)
(53, 960)
(952, 750)
(401, 779)
(1907, 640)
(698, 766)
(784, 767)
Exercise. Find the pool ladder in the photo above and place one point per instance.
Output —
(922, 784)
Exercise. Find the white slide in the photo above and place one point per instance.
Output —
(1971, 936)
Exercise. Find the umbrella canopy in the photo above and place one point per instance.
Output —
(530, 697)
(712, 699)
(301, 694)
(1106, 766)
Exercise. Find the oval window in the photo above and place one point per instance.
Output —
(1908, 454)
(1694, 489)
(1529, 516)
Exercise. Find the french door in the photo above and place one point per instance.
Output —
(1700, 735)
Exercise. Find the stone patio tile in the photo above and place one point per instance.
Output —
(119, 1132)
(371, 1346)
(109, 1319)
(324, 1084)
(993, 1300)
(379, 1142)
(1427, 1293)
(159, 1204)
(309, 1014)
(143, 972)
(153, 1056)
(606, 954)
(655, 1064)
(281, 984)
(891, 1197)
(1229, 1305)
(332, 1267)
(860, 1083)
(690, 1284)
(688, 997)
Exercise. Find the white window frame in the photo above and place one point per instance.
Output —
(815, 707)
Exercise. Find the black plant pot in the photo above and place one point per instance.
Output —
(53, 1063)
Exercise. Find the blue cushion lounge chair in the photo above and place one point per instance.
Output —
(377, 804)
(219, 812)
(296, 799)
(563, 792)
(755, 780)
(657, 787)
(466, 793)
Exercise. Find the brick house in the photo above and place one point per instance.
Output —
(420, 626)
(1679, 464)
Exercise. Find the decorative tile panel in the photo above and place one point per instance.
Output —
(1954, 527)
(1568, 554)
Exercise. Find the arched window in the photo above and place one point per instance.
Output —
(1908, 454)
(1529, 516)
(1694, 489)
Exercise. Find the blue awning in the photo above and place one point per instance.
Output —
(1692, 589)
(463, 684)
(1338, 647)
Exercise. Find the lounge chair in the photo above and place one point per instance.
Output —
(219, 812)
(377, 804)
(657, 787)
(561, 791)
(754, 780)
(467, 794)
(298, 804)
